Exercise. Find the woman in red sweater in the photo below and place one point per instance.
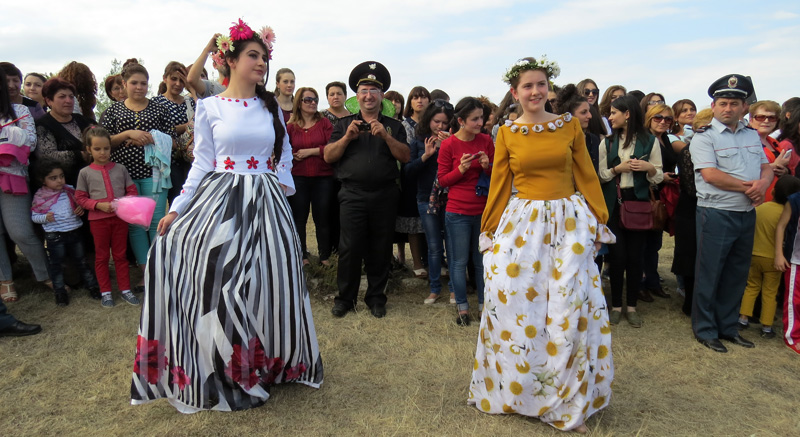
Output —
(309, 132)
(465, 168)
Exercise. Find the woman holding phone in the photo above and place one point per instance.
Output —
(465, 167)
(423, 167)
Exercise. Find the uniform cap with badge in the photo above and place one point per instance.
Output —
(370, 73)
(731, 86)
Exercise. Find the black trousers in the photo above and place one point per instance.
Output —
(625, 258)
(313, 194)
(367, 218)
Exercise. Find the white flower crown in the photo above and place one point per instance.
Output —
(551, 67)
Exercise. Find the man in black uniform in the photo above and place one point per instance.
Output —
(364, 149)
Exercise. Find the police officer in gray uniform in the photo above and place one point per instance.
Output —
(732, 175)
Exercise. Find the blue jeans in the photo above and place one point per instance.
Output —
(462, 233)
(69, 243)
(141, 238)
(436, 236)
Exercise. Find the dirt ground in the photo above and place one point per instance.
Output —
(404, 375)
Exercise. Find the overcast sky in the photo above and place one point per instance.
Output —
(674, 47)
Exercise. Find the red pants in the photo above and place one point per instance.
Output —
(791, 309)
(111, 232)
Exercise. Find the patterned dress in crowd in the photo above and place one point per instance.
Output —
(226, 313)
(544, 347)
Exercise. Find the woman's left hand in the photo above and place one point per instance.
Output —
(641, 165)
(302, 154)
(483, 160)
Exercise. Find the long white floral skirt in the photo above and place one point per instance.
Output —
(544, 348)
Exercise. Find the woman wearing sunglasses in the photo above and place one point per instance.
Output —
(764, 119)
(658, 120)
(588, 88)
(650, 100)
(309, 133)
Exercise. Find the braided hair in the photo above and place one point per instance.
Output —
(268, 97)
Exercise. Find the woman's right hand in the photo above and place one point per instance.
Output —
(140, 137)
(165, 222)
(466, 162)
(431, 144)
(625, 167)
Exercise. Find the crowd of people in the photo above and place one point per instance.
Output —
(525, 202)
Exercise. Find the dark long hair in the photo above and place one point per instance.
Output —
(789, 128)
(269, 99)
(6, 110)
(423, 129)
(417, 91)
(629, 104)
(462, 110)
(85, 86)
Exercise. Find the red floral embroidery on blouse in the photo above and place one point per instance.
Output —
(150, 361)
(252, 163)
(179, 377)
(229, 164)
(269, 164)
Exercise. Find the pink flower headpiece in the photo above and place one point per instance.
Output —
(240, 31)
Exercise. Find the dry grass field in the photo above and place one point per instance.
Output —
(404, 375)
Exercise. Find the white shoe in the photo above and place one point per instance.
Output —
(432, 300)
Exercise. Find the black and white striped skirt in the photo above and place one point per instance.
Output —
(226, 312)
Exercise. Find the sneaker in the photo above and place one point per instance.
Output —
(767, 334)
(107, 301)
(634, 319)
(62, 298)
(130, 298)
(614, 317)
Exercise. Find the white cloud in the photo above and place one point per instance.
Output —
(461, 46)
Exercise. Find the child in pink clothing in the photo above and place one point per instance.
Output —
(98, 184)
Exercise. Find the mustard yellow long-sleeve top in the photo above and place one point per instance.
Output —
(543, 166)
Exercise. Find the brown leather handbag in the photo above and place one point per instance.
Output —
(634, 215)
(659, 209)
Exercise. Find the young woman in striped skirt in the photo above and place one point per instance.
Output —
(226, 311)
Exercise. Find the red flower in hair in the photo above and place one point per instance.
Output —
(150, 360)
(240, 31)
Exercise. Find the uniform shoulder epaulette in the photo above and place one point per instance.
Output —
(702, 129)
